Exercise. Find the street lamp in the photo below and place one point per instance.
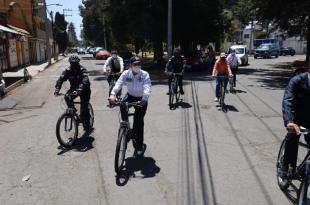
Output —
(48, 46)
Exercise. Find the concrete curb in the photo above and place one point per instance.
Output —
(22, 81)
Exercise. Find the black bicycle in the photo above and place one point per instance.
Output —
(222, 91)
(114, 78)
(301, 176)
(125, 134)
(174, 90)
(68, 122)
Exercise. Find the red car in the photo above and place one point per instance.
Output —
(103, 54)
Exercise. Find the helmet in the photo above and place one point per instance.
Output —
(74, 59)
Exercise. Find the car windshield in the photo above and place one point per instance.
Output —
(264, 46)
(239, 50)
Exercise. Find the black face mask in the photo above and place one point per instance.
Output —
(223, 59)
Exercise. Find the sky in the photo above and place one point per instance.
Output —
(68, 4)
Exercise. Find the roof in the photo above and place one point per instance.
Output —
(7, 29)
(238, 46)
(20, 30)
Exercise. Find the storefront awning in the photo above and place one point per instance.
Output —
(20, 30)
(9, 30)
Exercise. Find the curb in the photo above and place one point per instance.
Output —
(22, 81)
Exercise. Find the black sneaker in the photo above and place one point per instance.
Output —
(168, 93)
(182, 92)
(140, 152)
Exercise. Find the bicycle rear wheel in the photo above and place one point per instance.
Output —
(120, 151)
(177, 92)
(66, 130)
(282, 183)
(304, 197)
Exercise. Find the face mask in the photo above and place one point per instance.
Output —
(136, 69)
(233, 53)
(114, 55)
(223, 59)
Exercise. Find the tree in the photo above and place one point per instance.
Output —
(290, 16)
(72, 35)
(60, 33)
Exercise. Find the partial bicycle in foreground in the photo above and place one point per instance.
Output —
(296, 184)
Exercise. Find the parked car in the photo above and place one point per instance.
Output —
(103, 54)
(97, 49)
(81, 51)
(287, 51)
(242, 53)
(193, 61)
(266, 50)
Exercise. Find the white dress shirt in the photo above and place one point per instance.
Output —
(108, 64)
(233, 60)
(138, 85)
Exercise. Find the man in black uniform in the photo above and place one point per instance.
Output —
(79, 86)
(176, 65)
(296, 109)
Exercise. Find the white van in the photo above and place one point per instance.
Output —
(241, 52)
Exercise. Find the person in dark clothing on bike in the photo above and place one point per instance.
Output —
(176, 65)
(79, 86)
(296, 109)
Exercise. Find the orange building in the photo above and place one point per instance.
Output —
(22, 33)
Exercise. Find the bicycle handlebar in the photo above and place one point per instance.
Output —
(304, 130)
(135, 104)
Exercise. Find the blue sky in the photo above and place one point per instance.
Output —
(68, 4)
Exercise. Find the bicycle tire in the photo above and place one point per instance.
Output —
(92, 116)
(120, 151)
(177, 92)
(171, 96)
(222, 97)
(111, 88)
(58, 135)
(301, 195)
(283, 184)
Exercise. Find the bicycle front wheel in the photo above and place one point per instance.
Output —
(92, 116)
(120, 151)
(66, 130)
(282, 183)
(171, 96)
(222, 104)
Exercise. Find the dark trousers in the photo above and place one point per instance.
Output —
(219, 81)
(291, 148)
(84, 97)
(179, 79)
(234, 71)
(138, 119)
(110, 77)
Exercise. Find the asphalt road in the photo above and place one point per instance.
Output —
(195, 154)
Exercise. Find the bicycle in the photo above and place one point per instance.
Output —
(174, 92)
(222, 91)
(112, 84)
(68, 122)
(125, 134)
(302, 174)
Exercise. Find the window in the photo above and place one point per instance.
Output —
(246, 36)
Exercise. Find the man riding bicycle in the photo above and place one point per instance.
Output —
(234, 62)
(295, 109)
(176, 65)
(138, 90)
(79, 86)
(221, 68)
(114, 66)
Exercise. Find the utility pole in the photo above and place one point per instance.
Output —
(104, 33)
(54, 45)
(47, 40)
(169, 28)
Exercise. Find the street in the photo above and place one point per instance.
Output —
(195, 154)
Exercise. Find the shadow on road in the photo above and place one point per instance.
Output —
(95, 72)
(82, 144)
(227, 108)
(145, 165)
(181, 104)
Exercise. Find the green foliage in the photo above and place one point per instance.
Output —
(244, 11)
(60, 33)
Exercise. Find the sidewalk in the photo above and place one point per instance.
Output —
(15, 79)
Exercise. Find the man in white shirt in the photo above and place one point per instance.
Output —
(138, 90)
(114, 66)
(234, 61)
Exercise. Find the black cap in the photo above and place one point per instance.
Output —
(134, 59)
